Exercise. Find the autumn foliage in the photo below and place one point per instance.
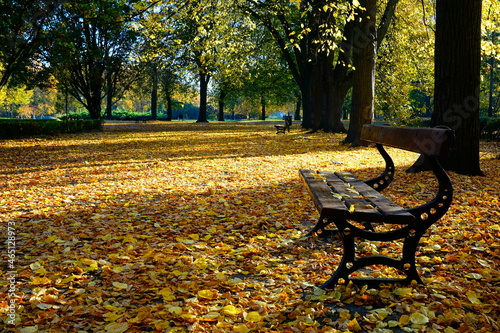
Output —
(181, 227)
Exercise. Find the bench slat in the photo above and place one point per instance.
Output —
(341, 195)
(429, 141)
(322, 195)
(392, 212)
(359, 209)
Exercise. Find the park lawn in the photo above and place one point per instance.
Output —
(183, 227)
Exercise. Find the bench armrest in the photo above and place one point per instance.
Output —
(386, 177)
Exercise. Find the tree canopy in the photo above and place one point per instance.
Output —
(265, 55)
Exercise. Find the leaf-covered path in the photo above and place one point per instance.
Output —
(180, 227)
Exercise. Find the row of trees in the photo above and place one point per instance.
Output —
(95, 52)
(318, 53)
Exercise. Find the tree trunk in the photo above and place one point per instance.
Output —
(364, 57)
(154, 95)
(94, 100)
(338, 93)
(297, 107)
(109, 96)
(202, 117)
(263, 107)
(306, 91)
(222, 96)
(457, 79)
(169, 108)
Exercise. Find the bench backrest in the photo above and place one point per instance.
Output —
(428, 141)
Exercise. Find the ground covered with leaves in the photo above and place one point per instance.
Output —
(182, 227)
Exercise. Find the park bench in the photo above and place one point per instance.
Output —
(286, 127)
(361, 213)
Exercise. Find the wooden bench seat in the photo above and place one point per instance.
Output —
(354, 206)
(342, 195)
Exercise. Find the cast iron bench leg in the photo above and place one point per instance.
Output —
(410, 246)
(319, 228)
(349, 249)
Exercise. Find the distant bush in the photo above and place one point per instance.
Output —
(490, 128)
(78, 115)
(418, 122)
(15, 128)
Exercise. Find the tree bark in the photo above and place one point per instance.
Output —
(457, 80)
(222, 96)
(202, 117)
(263, 107)
(154, 95)
(109, 96)
(298, 107)
(169, 108)
(364, 58)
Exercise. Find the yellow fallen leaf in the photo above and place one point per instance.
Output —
(28, 329)
(112, 317)
(175, 310)
(116, 327)
(475, 276)
(119, 285)
(208, 294)
(418, 318)
(241, 328)
(113, 308)
(40, 281)
(353, 325)
(253, 316)
(106, 237)
(473, 297)
(35, 266)
(211, 316)
(167, 294)
(129, 239)
(308, 321)
(230, 310)
(402, 291)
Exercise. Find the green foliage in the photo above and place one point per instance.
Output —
(76, 115)
(417, 122)
(405, 64)
(10, 128)
(88, 49)
(490, 128)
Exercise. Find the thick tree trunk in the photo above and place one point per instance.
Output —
(222, 96)
(457, 80)
(338, 93)
(202, 117)
(298, 107)
(109, 97)
(364, 56)
(154, 95)
(263, 107)
(94, 100)
(169, 108)
(306, 91)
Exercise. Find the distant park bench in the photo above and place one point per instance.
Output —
(357, 209)
(285, 127)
